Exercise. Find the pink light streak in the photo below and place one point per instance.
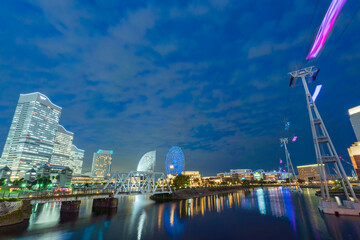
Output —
(294, 139)
(326, 25)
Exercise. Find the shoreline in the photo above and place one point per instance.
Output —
(187, 193)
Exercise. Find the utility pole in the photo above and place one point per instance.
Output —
(285, 141)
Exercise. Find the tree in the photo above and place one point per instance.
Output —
(245, 183)
(301, 181)
(2, 181)
(181, 181)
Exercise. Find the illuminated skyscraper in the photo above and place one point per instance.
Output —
(101, 165)
(62, 147)
(32, 134)
(354, 150)
(354, 114)
(76, 159)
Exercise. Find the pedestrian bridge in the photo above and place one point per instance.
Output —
(137, 182)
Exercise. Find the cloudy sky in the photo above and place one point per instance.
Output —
(208, 76)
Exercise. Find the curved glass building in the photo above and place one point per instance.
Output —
(147, 162)
(175, 161)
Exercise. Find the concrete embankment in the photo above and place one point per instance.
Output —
(187, 193)
(13, 212)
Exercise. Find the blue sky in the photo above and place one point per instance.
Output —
(208, 76)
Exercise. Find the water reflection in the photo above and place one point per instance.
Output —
(279, 213)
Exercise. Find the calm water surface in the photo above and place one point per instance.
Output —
(269, 213)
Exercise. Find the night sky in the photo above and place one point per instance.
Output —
(207, 76)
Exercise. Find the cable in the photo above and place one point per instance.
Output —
(344, 30)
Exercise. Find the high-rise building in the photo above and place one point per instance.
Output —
(32, 134)
(76, 159)
(309, 173)
(62, 147)
(101, 165)
(354, 150)
(354, 114)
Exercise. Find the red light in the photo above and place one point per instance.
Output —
(21, 160)
(46, 117)
(35, 162)
(40, 140)
(27, 136)
(34, 113)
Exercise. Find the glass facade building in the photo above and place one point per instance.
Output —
(76, 159)
(354, 150)
(62, 147)
(101, 165)
(147, 162)
(354, 114)
(31, 137)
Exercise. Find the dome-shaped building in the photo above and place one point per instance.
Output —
(175, 161)
(147, 162)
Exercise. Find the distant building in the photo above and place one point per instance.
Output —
(354, 152)
(195, 177)
(101, 165)
(309, 173)
(76, 159)
(62, 147)
(147, 162)
(81, 179)
(32, 134)
(5, 173)
(354, 114)
(211, 180)
(272, 176)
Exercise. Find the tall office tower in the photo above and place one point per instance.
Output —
(76, 159)
(62, 147)
(354, 114)
(32, 134)
(101, 165)
(354, 150)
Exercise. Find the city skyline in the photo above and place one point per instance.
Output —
(142, 77)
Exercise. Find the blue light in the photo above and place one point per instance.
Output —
(175, 161)
(316, 93)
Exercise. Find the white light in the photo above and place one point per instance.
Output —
(316, 93)
(171, 166)
(354, 110)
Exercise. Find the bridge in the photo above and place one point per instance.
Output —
(137, 182)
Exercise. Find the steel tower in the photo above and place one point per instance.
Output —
(326, 155)
(290, 167)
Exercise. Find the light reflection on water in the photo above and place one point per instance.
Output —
(278, 212)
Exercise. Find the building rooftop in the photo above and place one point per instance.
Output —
(310, 165)
(354, 110)
(36, 96)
